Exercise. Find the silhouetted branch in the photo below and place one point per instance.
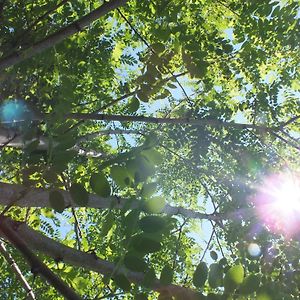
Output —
(60, 35)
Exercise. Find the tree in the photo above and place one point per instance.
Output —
(126, 127)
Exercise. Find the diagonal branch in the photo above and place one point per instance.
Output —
(10, 234)
(58, 251)
(60, 35)
(10, 260)
(291, 120)
(286, 141)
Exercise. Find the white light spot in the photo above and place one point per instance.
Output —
(254, 250)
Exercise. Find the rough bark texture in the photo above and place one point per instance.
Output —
(9, 232)
(58, 251)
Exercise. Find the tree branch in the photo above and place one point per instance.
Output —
(154, 120)
(60, 35)
(40, 198)
(17, 271)
(291, 120)
(9, 232)
(286, 141)
(56, 250)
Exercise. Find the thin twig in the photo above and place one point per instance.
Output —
(225, 5)
(153, 51)
(291, 120)
(208, 244)
(178, 243)
(286, 141)
(115, 101)
(77, 229)
(37, 266)
(8, 141)
(10, 260)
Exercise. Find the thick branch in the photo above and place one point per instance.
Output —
(10, 234)
(60, 35)
(40, 198)
(17, 271)
(58, 251)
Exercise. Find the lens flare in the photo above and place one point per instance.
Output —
(12, 111)
(278, 203)
(254, 250)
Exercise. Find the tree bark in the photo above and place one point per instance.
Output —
(9, 232)
(60, 35)
(40, 198)
(58, 251)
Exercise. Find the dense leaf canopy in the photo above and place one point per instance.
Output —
(149, 149)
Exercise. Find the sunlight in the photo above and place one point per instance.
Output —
(278, 203)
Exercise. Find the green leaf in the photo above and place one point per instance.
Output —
(134, 262)
(62, 158)
(158, 47)
(152, 224)
(100, 185)
(250, 284)
(236, 274)
(79, 194)
(50, 176)
(153, 156)
(214, 255)
(149, 278)
(172, 86)
(215, 275)
(122, 282)
(144, 244)
(148, 189)
(65, 141)
(107, 224)
(120, 176)
(233, 277)
(144, 97)
(130, 221)
(141, 297)
(200, 275)
(133, 105)
(166, 275)
(140, 168)
(155, 205)
(56, 200)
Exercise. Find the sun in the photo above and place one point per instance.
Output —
(277, 203)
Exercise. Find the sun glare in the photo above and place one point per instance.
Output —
(278, 203)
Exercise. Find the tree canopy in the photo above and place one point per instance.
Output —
(150, 149)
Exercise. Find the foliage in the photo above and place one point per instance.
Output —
(151, 131)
